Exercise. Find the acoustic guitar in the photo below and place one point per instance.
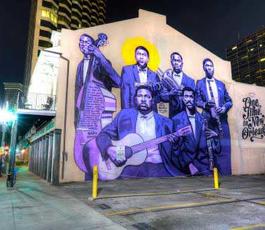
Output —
(135, 147)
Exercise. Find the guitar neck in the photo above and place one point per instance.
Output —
(149, 144)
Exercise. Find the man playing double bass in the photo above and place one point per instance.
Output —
(102, 71)
(94, 80)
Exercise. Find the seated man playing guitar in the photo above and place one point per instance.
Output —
(150, 155)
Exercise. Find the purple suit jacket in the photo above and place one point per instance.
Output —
(125, 123)
(192, 148)
(103, 72)
(223, 97)
(129, 77)
(175, 102)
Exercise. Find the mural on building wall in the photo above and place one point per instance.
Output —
(139, 141)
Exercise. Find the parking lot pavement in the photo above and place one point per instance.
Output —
(179, 203)
(150, 203)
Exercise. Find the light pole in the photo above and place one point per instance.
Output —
(6, 116)
(11, 175)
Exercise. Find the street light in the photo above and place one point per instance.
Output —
(7, 116)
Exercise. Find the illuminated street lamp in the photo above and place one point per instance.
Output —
(5, 117)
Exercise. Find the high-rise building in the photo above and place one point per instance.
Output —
(248, 59)
(49, 15)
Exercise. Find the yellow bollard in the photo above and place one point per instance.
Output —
(215, 177)
(95, 182)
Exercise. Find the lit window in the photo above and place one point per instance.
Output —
(244, 57)
(262, 59)
(235, 47)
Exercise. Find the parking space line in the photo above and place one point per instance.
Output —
(153, 193)
(262, 202)
(213, 195)
(167, 207)
(248, 227)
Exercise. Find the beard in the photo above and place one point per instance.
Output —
(190, 107)
(143, 107)
(177, 70)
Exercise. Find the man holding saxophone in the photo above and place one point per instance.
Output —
(213, 98)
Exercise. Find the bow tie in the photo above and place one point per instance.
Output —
(191, 116)
(177, 74)
(210, 80)
(142, 70)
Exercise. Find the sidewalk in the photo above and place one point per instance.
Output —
(34, 204)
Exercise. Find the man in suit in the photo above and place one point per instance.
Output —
(94, 74)
(213, 98)
(94, 67)
(191, 153)
(174, 80)
(149, 125)
(135, 75)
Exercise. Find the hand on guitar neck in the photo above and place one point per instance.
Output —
(176, 137)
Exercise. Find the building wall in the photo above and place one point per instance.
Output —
(247, 157)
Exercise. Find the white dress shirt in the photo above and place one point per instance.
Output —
(146, 128)
(193, 123)
(142, 74)
(214, 89)
(85, 68)
(178, 77)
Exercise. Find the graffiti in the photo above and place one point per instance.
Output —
(253, 120)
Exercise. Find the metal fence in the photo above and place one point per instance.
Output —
(38, 102)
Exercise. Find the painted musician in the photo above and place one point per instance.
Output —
(146, 123)
(135, 75)
(102, 72)
(193, 154)
(174, 80)
(213, 98)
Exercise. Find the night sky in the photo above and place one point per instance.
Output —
(214, 24)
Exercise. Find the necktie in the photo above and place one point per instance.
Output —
(210, 89)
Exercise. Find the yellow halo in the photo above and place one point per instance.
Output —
(128, 48)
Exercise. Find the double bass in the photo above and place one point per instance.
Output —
(96, 105)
